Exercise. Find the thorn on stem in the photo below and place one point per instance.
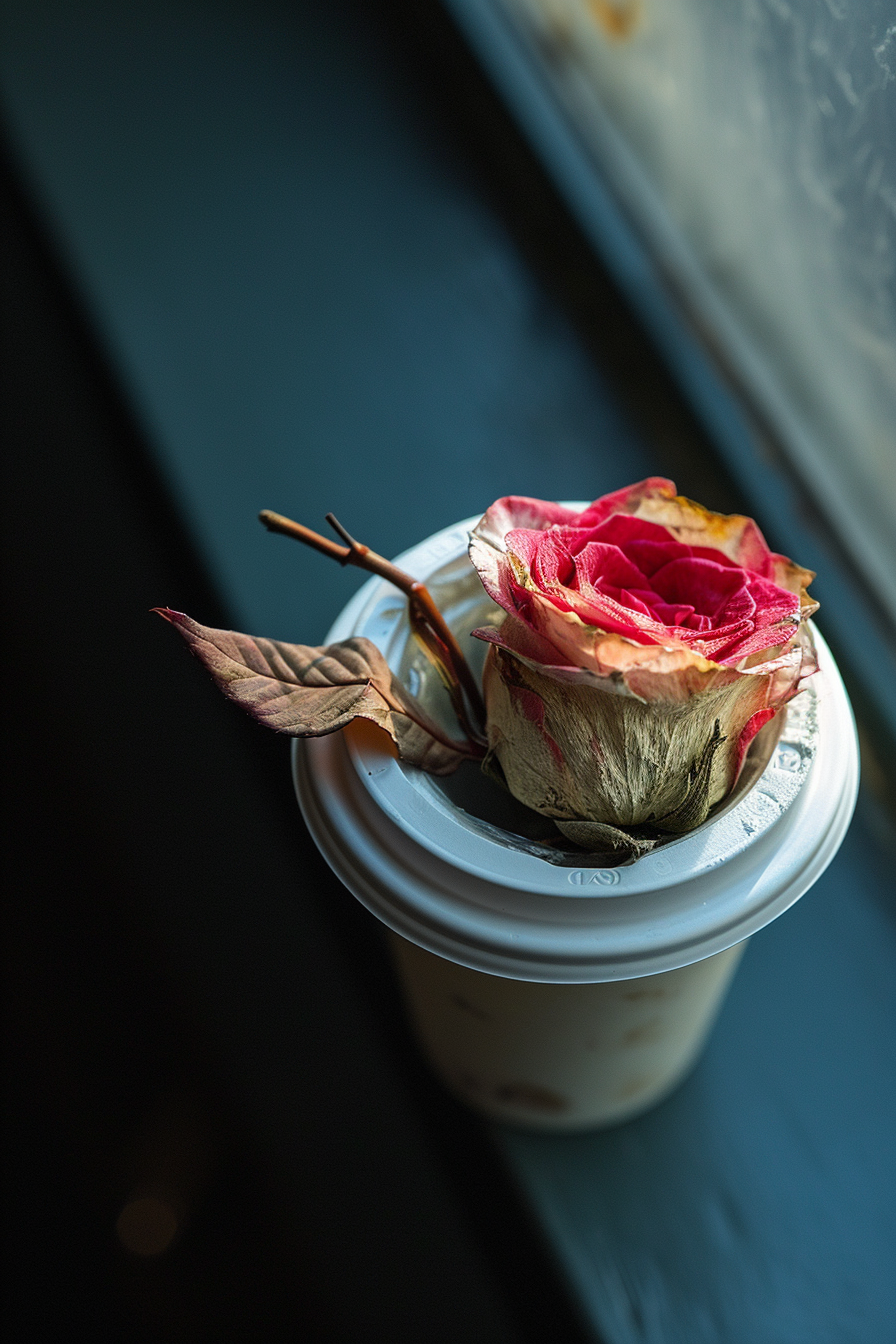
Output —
(349, 540)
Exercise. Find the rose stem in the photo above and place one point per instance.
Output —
(447, 650)
(355, 553)
(450, 668)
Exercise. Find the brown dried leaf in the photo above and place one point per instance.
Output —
(307, 691)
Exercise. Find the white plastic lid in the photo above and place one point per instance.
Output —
(458, 885)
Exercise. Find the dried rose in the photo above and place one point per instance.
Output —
(646, 641)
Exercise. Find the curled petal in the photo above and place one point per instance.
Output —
(629, 500)
(518, 511)
(519, 638)
(487, 547)
(734, 535)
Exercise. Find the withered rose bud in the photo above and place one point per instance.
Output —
(646, 642)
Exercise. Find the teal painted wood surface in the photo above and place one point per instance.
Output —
(307, 300)
(312, 303)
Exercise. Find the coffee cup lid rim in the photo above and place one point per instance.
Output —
(440, 878)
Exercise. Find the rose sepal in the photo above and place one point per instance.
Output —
(580, 747)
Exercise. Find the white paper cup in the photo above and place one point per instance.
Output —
(562, 997)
